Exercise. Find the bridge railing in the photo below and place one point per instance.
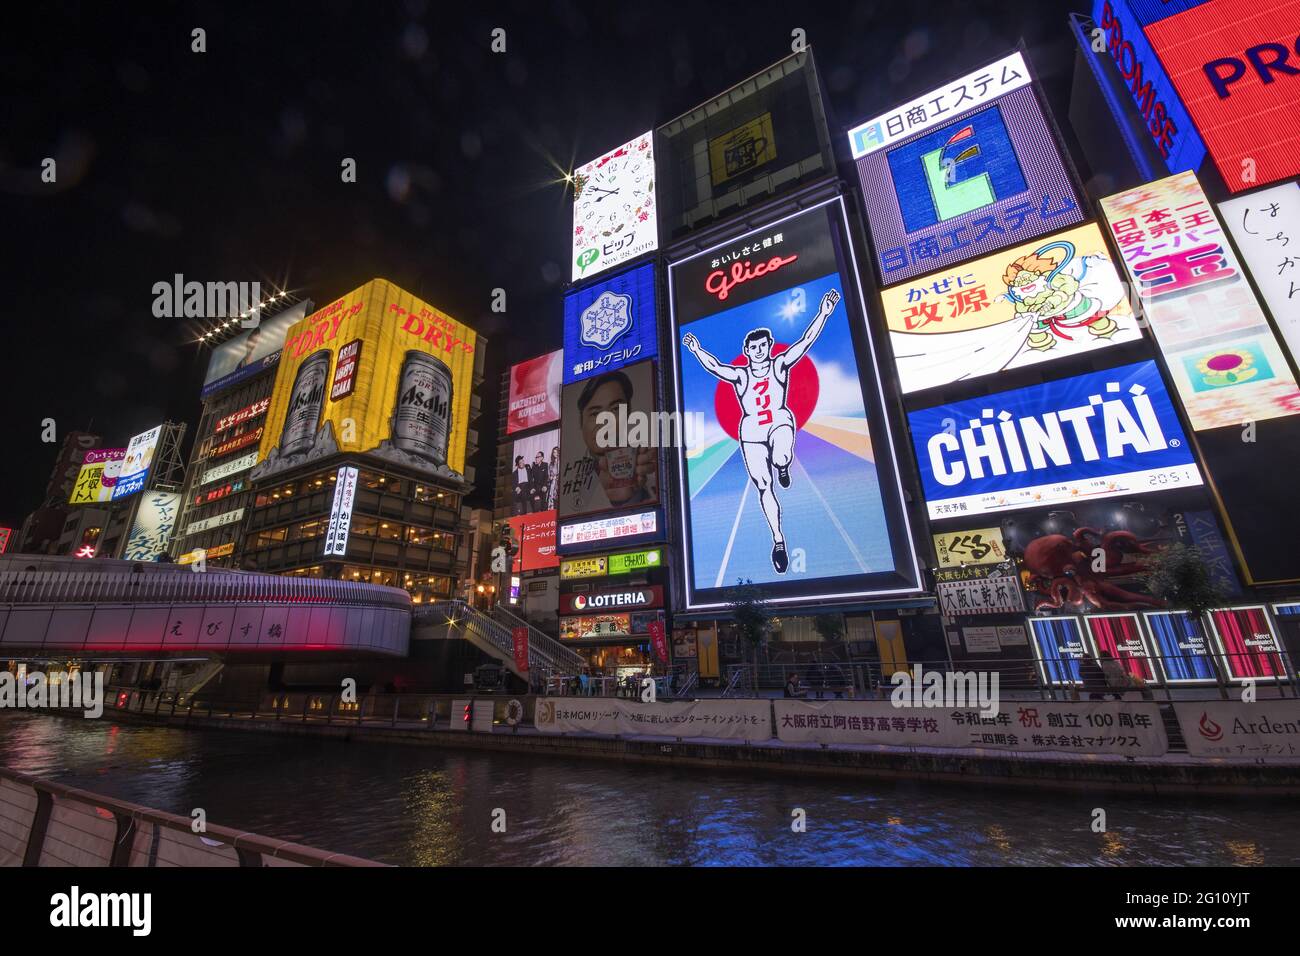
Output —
(546, 656)
(43, 823)
(187, 587)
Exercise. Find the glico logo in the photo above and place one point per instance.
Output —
(1004, 443)
(956, 169)
(720, 282)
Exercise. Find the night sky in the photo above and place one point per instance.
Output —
(225, 165)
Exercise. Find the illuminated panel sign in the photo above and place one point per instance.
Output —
(1153, 94)
(1091, 436)
(217, 551)
(615, 217)
(233, 467)
(1236, 65)
(345, 371)
(535, 534)
(1266, 228)
(610, 324)
(589, 627)
(136, 464)
(251, 352)
(1181, 650)
(966, 169)
(155, 520)
(957, 549)
(5, 535)
(603, 474)
(1224, 359)
(236, 443)
(216, 521)
(216, 494)
(534, 393)
(582, 568)
(1249, 648)
(772, 356)
(1053, 298)
(243, 415)
(411, 408)
(634, 561)
(609, 529)
(1058, 646)
(621, 600)
(340, 526)
(1120, 636)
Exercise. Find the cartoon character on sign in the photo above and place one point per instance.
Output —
(1062, 298)
(767, 425)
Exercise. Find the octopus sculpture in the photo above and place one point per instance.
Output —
(1061, 569)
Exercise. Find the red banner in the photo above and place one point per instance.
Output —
(534, 393)
(657, 639)
(521, 649)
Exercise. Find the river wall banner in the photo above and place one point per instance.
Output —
(1262, 730)
(1131, 728)
(729, 719)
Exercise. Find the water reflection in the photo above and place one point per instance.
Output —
(427, 807)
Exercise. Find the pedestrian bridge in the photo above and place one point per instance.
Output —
(60, 606)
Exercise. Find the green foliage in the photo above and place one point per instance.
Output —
(750, 611)
(829, 626)
(1179, 575)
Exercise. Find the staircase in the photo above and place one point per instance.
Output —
(494, 635)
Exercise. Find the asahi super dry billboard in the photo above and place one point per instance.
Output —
(410, 401)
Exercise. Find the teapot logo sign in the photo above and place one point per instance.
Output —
(1209, 729)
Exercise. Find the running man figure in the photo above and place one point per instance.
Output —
(766, 423)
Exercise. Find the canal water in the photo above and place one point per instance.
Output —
(425, 807)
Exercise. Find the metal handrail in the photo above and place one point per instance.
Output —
(553, 648)
(187, 587)
(545, 654)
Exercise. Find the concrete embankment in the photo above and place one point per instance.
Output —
(1169, 774)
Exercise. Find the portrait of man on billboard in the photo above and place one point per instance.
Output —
(767, 426)
(598, 474)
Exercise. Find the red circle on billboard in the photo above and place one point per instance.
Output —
(800, 394)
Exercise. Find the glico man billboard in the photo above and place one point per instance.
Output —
(1098, 435)
(407, 391)
(961, 171)
(610, 324)
(1052, 298)
(789, 481)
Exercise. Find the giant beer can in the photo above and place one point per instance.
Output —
(421, 421)
(302, 418)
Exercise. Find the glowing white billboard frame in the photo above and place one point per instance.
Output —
(690, 603)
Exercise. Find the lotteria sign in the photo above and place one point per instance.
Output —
(1091, 436)
(1163, 114)
(623, 600)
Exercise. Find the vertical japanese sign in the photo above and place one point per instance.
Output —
(657, 639)
(1266, 228)
(1226, 363)
(520, 636)
(136, 464)
(155, 520)
(345, 492)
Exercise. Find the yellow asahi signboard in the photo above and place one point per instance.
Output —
(377, 371)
